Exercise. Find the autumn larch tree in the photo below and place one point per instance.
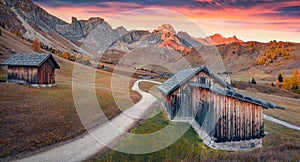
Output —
(36, 45)
(65, 55)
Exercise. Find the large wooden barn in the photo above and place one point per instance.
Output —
(200, 96)
(34, 69)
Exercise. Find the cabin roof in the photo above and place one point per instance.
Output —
(184, 75)
(24, 59)
(234, 94)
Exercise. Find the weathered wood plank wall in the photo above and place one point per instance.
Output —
(222, 117)
(22, 74)
(230, 118)
(46, 73)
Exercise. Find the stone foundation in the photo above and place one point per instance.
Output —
(42, 85)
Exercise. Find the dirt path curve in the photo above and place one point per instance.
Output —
(108, 132)
(288, 125)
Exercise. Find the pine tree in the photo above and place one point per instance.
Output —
(280, 78)
(253, 81)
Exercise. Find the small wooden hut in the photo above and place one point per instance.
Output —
(200, 96)
(34, 69)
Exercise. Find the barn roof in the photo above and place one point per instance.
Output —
(184, 75)
(234, 94)
(36, 59)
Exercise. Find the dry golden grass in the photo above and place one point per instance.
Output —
(290, 114)
(146, 86)
(32, 118)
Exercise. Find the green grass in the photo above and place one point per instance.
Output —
(281, 144)
(188, 147)
(151, 125)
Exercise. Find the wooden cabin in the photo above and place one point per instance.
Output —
(199, 95)
(34, 69)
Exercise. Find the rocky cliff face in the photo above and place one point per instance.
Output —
(34, 22)
(31, 13)
(163, 36)
(78, 30)
(133, 40)
(9, 18)
(170, 39)
(95, 34)
(189, 41)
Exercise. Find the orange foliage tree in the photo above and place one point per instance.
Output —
(65, 55)
(18, 33)
(83, 59)
(12, 31)
(275, 51)
(292, 83)
(36, 45)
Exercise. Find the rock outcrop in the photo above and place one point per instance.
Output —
(31, 13)
(219, 39)
(78, 30)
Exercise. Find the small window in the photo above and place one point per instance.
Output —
(203, 80)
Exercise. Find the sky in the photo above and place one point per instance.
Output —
(249, 20)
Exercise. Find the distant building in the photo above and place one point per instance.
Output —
(226, 119)
(34, 69)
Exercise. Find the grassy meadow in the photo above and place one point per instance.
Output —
(289, 114)
(281, 144)
(32, 118)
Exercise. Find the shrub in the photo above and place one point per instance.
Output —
(253, 81)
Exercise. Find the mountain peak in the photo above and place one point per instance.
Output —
(74, 19)
(165, 28)
(217, 35)
(90, 20)
(219, 39)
